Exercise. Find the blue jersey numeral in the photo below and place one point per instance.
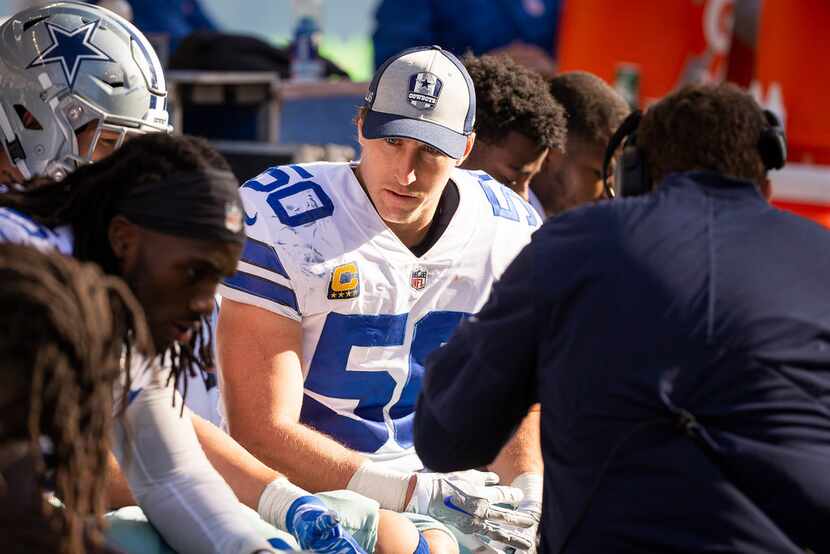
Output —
(371, 390)
(431, 331)
(504, 209)
(504, 201)
(317, 203)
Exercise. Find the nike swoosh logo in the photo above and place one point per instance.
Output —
(132, 394)
(250, 220)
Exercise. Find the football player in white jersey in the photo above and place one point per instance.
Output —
(351, 276)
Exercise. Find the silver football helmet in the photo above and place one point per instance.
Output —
(68, 65)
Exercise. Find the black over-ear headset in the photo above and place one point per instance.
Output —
(631, 176)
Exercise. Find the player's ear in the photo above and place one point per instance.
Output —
(471, 139)
(124, 238)
(358, 121)
(766, 188)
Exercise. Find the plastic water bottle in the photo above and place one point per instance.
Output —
(627, 83)
(306, 64)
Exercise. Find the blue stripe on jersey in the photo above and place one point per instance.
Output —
(263, 288)
(363, 435)
(263, 255)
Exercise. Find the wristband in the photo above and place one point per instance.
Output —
(532, 485)
(387, 486)
(276, 499)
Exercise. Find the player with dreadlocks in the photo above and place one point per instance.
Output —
(62, 326)
(164, 213)
(77, 212)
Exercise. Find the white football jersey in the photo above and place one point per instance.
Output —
(371, 311)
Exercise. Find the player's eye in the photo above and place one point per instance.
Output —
(198, 273)
(192, 274)
(432, 151)
(392, 140)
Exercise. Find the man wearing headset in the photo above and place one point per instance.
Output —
(679, 343)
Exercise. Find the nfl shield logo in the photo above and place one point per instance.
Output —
(424, 89)
(418, 278)
(233, 217)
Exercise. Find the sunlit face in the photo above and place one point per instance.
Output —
(175, 280)
(570, 179)
(513, 162)
(404, 179)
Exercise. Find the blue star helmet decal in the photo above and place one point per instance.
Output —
(70, 48)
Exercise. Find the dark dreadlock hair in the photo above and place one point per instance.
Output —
(510, 97)
(88, 199)
(62, 325)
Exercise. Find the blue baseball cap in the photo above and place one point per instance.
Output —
(423, 93)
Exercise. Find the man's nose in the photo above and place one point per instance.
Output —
(405, 169)
(202, 304)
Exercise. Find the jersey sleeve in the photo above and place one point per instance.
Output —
(186, 500)
(261, 278)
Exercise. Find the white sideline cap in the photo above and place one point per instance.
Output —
(423, 93)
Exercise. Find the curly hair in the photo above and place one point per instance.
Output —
(62, 325)
(594, 109)
(87, 200)
(510, 97)
(704, 127)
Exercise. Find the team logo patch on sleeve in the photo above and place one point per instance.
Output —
(345, 282)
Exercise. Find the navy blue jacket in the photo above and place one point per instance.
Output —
(178, 18)
(699, 299)
(461, 25)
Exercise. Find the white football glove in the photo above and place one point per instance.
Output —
(531, 485)
(468, 500)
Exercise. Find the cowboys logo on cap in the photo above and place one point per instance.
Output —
(424, 89)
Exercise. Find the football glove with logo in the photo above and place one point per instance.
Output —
(469, 501)
(317, 528)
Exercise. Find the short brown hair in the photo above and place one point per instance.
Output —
(704, 127)
(594, 109)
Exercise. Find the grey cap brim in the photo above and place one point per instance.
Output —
(377, 125)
